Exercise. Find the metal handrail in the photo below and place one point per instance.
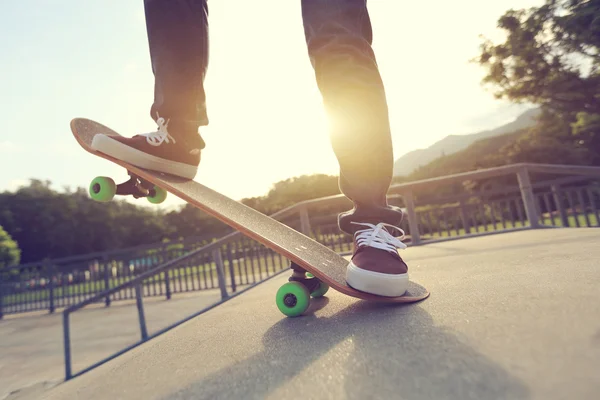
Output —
(480, 174)
(525, 186)
(396, 190)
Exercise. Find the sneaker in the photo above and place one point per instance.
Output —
(376, 267)
(157, 151)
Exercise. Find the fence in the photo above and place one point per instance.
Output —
(467, 204)
(53, 284)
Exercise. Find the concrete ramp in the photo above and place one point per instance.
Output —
(511, 316)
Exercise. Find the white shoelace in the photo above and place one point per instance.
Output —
(377, 236)
(156, 138)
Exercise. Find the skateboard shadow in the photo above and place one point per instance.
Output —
(373, 351)
(316, 304)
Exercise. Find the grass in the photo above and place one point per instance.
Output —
(545, 220)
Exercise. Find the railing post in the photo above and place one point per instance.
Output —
(464, 218)
(231, 269)
(67, 346)
(51, 288)
(304, 221)
(556, 195)
(140, 307)
(1, 298)
(591, 195)
(528, 197)
(218, 259)
(413, 224)
(106, 279)
(163, 259)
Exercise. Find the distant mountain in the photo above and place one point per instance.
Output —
(409, 162)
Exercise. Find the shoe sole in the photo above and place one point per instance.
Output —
(140, 159)
(388, 285)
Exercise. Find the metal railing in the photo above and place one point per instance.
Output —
(234, 263)
(54, 284)
(518, 204)
(137, 286)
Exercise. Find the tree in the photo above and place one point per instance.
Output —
(586, 130)
(551, 57)
(51, 224)
(10, 254)
(190, 221)
(294, 190)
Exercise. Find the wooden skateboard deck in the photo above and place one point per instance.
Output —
(324, 263)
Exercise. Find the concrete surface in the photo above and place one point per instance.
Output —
(511, 316)
(31, 345)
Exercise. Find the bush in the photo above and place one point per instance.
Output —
(10, 254)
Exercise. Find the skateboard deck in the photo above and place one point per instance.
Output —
(305, 253)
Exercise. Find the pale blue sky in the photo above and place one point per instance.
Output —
(62, 59)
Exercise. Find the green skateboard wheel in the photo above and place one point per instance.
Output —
(102, 189)
(157, 195)
(292, 299)
(321, 290)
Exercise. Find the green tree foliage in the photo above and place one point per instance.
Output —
(291, 191)
(51, 224)
(190, 221)
(586, 132)
(551, 57)
(481, 154)
(10, 254)
(549, 142)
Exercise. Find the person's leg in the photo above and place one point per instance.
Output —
(339, 37)
(178, 40)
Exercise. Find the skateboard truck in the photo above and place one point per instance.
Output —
(293, 298)
(135, 186)
(104, 189)
(305, 278)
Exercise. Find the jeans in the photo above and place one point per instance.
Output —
(338, 36)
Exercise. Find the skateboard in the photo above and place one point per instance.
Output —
(315, 267)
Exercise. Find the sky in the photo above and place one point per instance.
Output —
(62, 59)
